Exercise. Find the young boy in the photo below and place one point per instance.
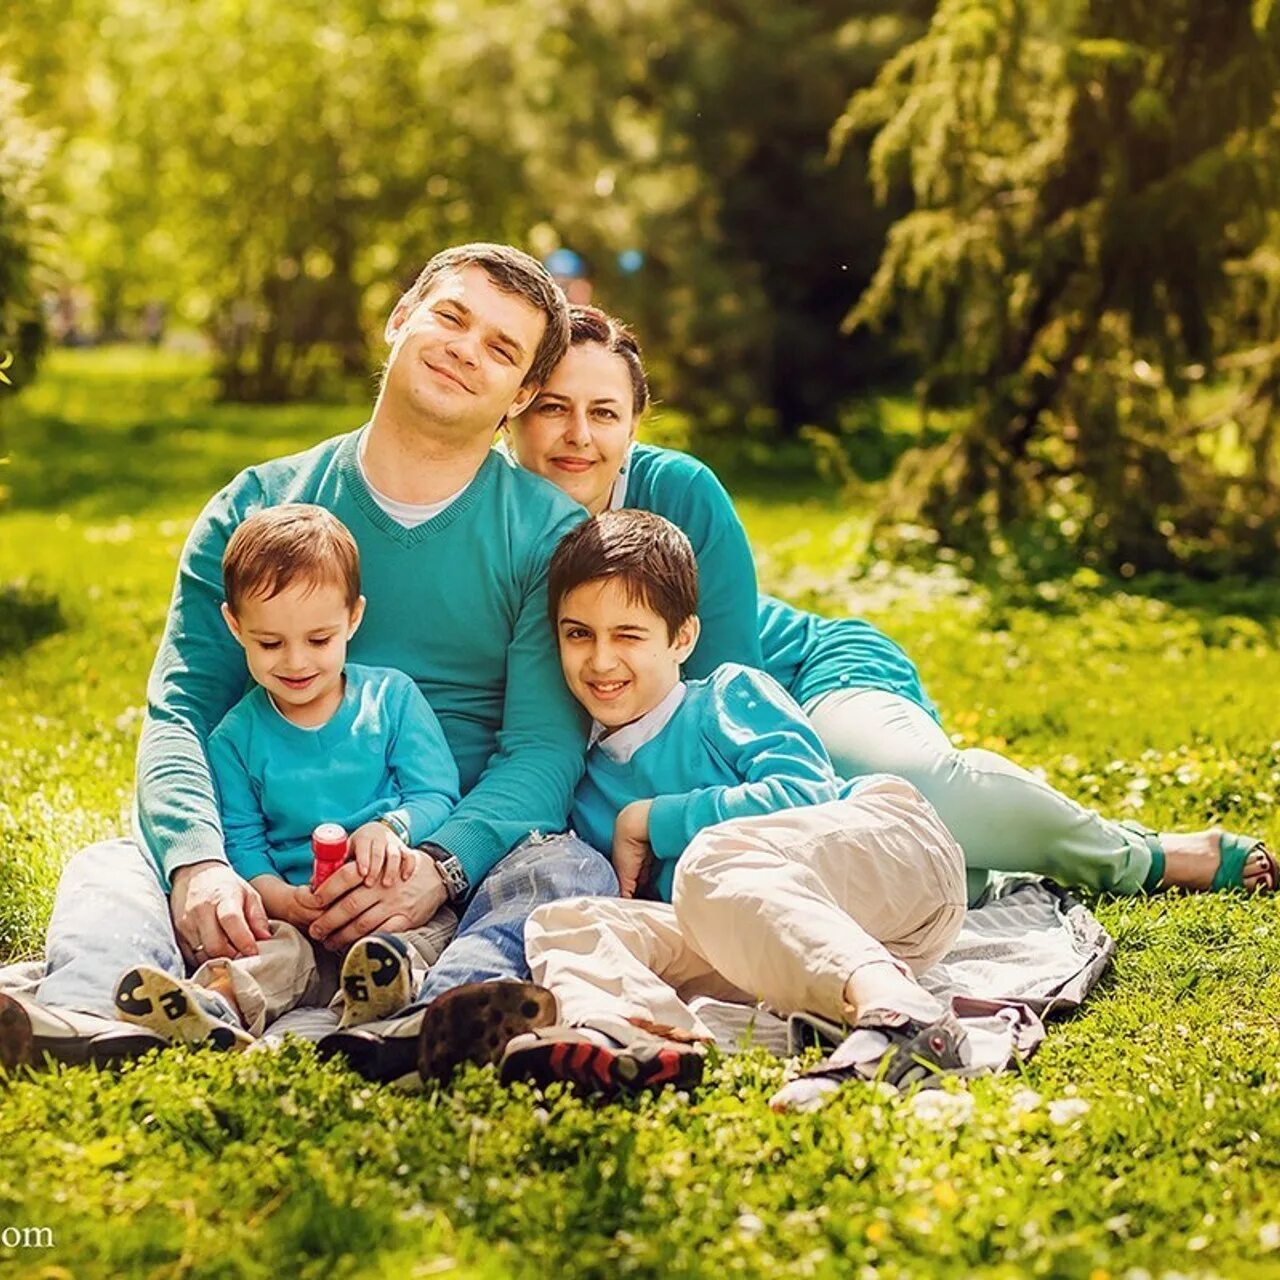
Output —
(317, 740)
(778, 880)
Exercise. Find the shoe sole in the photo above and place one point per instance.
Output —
(476, 1022)
(168, 1006)
(599, 1071)
(16, 1039)
(379, 1059)
(376, 981)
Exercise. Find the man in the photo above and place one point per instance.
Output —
(454, 545)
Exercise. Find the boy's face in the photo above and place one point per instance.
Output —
(296, 646)
(618, 658)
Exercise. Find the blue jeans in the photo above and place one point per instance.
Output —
(490, 939)
(111, 913)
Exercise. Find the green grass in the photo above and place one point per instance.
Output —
(1155, 701)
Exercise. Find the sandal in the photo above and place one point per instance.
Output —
(1234, 852)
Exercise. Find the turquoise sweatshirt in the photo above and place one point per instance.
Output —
(808, 655)
(736, 746)
(382, 754)
(686, 492)
(457, 603)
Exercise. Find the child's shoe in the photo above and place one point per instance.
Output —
(376, 980)
(178, 1009)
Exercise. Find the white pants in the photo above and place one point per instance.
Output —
(793, 908)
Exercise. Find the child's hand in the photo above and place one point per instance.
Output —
(304, 908)
(380, 854)
(632, 854)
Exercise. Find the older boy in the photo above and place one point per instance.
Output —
(785, 882)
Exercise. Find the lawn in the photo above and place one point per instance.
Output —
(1143, 1140)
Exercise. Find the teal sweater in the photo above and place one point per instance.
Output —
(382, 754)
(808, 655)
(457, 603)
(736, 746)
(687, 493)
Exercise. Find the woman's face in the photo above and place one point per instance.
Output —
(577, 430)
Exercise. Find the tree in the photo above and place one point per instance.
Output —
(1092, 231)
(24, 236)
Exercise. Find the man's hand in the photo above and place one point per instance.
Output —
(380, 854)
(632, 854)
(215, 913)
(353, 909)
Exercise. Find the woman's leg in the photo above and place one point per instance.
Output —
(1004, 817)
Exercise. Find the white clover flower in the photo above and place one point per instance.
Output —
(941, 1110)
(1067, 1110)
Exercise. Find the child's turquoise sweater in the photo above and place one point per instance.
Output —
(457, 603)
(808, 655)
(736, 746)
(382, 754)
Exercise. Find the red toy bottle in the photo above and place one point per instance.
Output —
(329, 849)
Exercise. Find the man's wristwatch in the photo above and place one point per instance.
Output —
(455, 878)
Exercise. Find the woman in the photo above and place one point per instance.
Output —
(861, 692)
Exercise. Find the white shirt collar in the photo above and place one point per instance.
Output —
(618, 495)
(621, 744)
(407, 514)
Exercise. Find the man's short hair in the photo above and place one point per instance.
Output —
(513, 271)
(295, 542)
(651, 558)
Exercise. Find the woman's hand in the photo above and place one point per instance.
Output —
(352, 909)
(632, 854)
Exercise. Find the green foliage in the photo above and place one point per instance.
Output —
(1142, 1135)
(1092, 229)
(24, 236)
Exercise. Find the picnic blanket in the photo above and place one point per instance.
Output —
(1028, 952)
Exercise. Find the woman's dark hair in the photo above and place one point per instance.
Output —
(590, 324)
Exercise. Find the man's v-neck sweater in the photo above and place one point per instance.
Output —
(457, 603)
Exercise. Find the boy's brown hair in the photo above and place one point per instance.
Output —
(279, 546)
(651, 558)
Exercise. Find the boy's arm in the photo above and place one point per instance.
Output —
(765, 740)
(726, 578)
(422, 766)
(198, 675)
(244, 826)
(528, 782)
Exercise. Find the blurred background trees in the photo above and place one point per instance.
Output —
(1058, 218)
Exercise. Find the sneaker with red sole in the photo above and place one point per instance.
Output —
(601, 1065)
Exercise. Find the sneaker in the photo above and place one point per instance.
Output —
(30, 1033)
(476, 1022)
(598, 1064)
(376, 981)
(382, 1052)
(178, 1010)
(898, 1056)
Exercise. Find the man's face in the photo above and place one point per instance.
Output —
(618, 658)
(460, 355)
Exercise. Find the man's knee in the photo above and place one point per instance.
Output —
(110, 866)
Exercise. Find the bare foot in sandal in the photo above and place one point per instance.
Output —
(1201, 860)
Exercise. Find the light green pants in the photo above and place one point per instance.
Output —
(1002, 816)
